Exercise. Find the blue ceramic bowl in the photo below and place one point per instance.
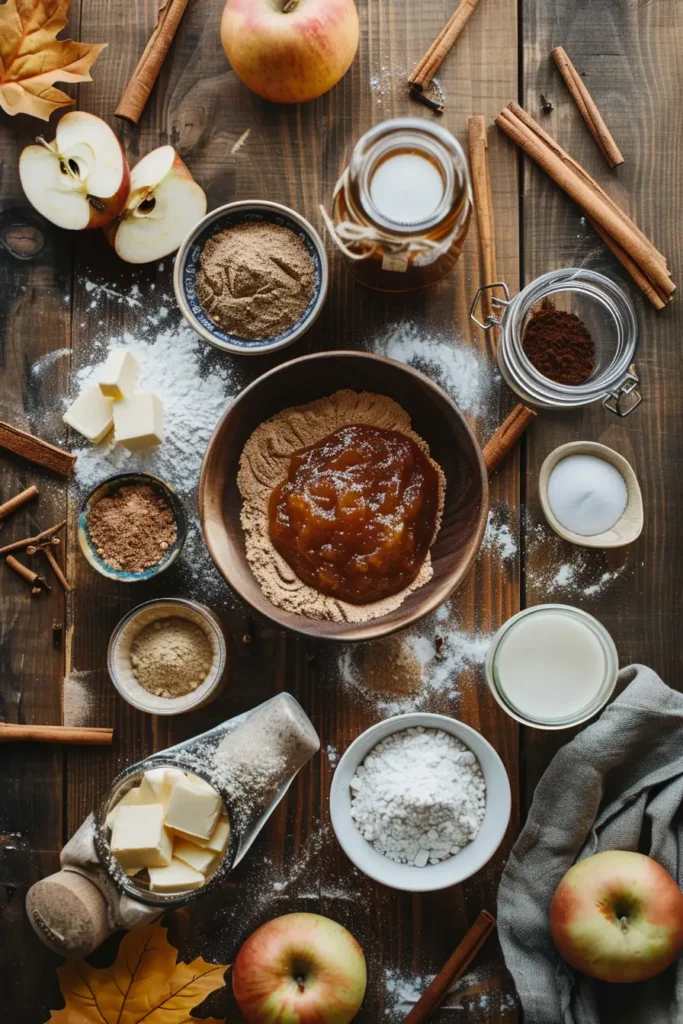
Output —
(187, 265)
(110, 486)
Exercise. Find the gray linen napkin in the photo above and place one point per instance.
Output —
(617, 785)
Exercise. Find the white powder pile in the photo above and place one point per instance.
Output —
(419, 796)
(461, 370)
(170, 364)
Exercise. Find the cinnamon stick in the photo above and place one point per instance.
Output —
(36, 450)
(136, 93)
(18, 500)
(25, 541)
(22, 570)
(481, 183)
(587, 108)
(10, 733)
(57, 570)
(580, 187)
(453, 969)
(507, 436)
(431, 62)
(577, 168)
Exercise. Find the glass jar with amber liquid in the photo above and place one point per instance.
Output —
(403, 205)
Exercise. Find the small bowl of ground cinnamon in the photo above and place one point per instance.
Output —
(251, 277)
(131, 527)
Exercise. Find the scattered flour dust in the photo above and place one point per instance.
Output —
(419, 669)
(556, 567)
(498, 537)
(460, 369)
(476, 995)
(170, 365)
(78, 698)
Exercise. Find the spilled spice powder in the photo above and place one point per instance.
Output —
(256, 279)
(559, 345)
(132, 528)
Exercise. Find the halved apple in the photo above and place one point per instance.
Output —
(164, 203)
(81, 180)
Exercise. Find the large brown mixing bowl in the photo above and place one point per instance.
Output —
(434, 417)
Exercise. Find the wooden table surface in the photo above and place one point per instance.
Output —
(631, 54)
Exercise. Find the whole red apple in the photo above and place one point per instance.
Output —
(618, 916)
(290, 51)
(302, 969)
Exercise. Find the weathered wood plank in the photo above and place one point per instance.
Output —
(630, 55)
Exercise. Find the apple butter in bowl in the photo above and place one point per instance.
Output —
(357, 513)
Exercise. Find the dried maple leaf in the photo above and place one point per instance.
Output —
(32, 59)
(145, 983)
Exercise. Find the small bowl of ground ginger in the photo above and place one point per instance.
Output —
(168, 656)
(131, 527)
(251, 277)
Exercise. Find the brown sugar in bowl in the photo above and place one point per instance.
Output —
(435, 417)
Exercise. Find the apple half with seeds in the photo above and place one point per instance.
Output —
(164, 203)
(81, 180)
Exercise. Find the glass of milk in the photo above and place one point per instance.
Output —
(552, 666)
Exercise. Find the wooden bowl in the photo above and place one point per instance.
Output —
(625, 530)
(434, 417)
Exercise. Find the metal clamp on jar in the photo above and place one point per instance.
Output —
(402, 207)
(609, 316)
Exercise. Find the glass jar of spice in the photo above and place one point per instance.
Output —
(402, 207)
(607, 316)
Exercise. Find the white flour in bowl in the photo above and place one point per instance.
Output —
(419, 796)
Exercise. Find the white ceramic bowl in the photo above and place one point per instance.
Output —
(627, 529)
(121, 668)
(434, 876)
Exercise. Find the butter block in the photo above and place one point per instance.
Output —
(91, 414)
(157, 784)
(193, 810)
(198, 857)
(217, 841)
(220, 837)
(118, 375)
(139, 421)
(131, 797)
(139, 837)
(176, 877)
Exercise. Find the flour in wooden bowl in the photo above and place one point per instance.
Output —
(264, 464)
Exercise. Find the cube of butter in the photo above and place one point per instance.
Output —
(91, 414)
(220, 836)
(217, 841)
(177, 877)
(139, 421)
(198, 857)
(118, 375)
(193, 810)
(131, 797)
(139, 837)
(157, 784)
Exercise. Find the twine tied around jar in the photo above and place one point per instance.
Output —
(371, 238)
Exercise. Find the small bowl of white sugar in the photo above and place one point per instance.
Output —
(590, 495)
(420, 802)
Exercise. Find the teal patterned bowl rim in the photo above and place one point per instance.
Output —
(110, 486)
(187, 262)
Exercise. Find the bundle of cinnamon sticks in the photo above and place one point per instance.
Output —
(646, 265)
